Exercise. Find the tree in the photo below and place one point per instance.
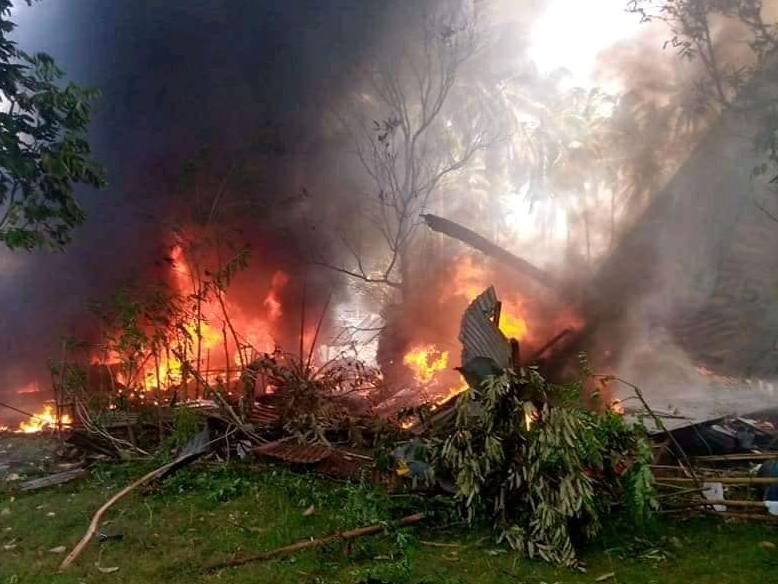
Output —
(737, 78)
(43, 147)
(415, 142)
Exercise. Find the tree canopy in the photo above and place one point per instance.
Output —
(44, 150)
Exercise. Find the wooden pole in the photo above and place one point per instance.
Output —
(310, 543)
(725, 480)
(738, 457)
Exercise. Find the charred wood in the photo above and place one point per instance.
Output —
(476, 241)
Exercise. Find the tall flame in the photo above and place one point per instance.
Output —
(209, 335)
(425, 361)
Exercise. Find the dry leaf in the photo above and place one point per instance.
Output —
(309, 511)
(767, 545)
(60, 549)
(605, 577)
(110, 570)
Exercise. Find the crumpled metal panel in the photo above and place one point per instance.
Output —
(478, 334)
(289, 451)
(263, 414)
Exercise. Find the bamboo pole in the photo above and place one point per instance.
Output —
(733, 503)
(726, 480)
(310, 543)
(746, 516)
(738, 457)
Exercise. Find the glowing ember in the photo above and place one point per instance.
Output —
(3, 428)
(425, 362)
(617, 406)
(45, 419)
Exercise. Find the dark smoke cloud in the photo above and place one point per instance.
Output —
(175, 77)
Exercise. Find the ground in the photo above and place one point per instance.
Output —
(206, 513)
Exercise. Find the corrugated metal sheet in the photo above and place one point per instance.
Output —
(478, 334)
(263, 415)
(289, 451)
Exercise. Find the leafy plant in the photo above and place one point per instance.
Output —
(545, 474)
(43, 146)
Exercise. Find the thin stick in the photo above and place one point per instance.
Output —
(226, 357)
(17, 410)
(316, 334)
(302, 318)
(679, 493)
(158, 393)
(309, 543)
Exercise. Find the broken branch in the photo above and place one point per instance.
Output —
(310, 543)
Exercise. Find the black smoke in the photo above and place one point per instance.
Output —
(241, 80)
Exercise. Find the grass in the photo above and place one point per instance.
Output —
(205, 514)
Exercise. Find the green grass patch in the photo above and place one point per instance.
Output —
(205, 514)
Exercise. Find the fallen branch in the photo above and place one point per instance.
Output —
(474, 240)
(192, 452)
(18, 411)
(95, 523)
(310, 543)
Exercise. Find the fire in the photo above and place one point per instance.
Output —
(617, 406)
(45, 419)
(452, 392)
(4, 428)
(271, 302)
(470, 280)
(513, 327)
(208, 332)
(425, 362)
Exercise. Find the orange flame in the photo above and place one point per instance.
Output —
(452, 392)
(209, 337)
(425, 362)
(45, 419)
(470, 280)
